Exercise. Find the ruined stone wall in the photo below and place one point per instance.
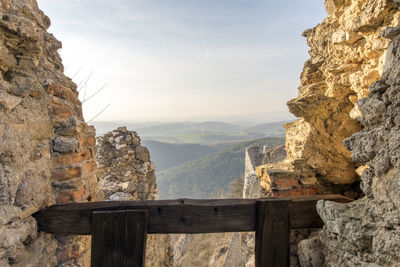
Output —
(367, 232)
(46, 149)
(237, 249)
(346, 57)
(125, 172)
(348, 54)
(251, 185)
(253, 157)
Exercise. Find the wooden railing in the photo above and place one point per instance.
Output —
(119, 228)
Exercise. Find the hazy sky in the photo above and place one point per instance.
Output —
(181, 59)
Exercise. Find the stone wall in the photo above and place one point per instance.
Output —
(253, 158)
(46, 149)
(251, 185)
(238, 249)
(125, 172)
(367, 232)
(346, 56)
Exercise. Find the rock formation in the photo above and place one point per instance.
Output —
(349, 52)
(125, 172)
(367, 231)
(347, 56)
(47, 150)
(348, 101)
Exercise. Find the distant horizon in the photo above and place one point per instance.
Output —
(173, 59)
(258, 118)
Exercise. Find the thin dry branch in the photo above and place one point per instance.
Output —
(95, 93)
(98, 114)
(86, 81)
(76, 73)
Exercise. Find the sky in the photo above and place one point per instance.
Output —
(183, 59)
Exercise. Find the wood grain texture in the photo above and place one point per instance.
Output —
(180, 216)
(272, 233)
(119, 238)
(165, 216)
(303, 211)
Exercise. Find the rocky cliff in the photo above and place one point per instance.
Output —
(46, 149)
(125, 172)
(346, 139)
(350, 51)
(347, 55)
(367, 231)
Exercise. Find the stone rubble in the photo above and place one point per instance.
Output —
(125, 172)
(124, 167)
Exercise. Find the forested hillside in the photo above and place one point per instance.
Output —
(206, 176)
(167, 155)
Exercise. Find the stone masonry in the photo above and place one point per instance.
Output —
(366, 232)
(46, 149)
(349, 52)
(125, 172)
(348, 101)
(240, 247)
(347, 56)
(251, 185)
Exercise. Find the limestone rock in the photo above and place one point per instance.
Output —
(345, 61)
(39, 166)
(65, 144)
(126, 173)
(274, 155)
(124, 165)
(121, 196)
(6, 59)
(8, 102)
(311, 252)
(252, 187)
(366, 232)
(349, 53)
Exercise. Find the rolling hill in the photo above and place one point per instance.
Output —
(268, 129)
(204, 177)
(179, 128)
(206, 133)
(167, 155)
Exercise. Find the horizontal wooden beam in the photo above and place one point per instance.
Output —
(180, 216)
(303, 211)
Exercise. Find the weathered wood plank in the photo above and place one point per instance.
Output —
(180, 216)
(173, 216)
(272, 233)
(119, 238)
(303, 212)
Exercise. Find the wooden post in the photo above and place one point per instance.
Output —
(119, 238)
(272, 233)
